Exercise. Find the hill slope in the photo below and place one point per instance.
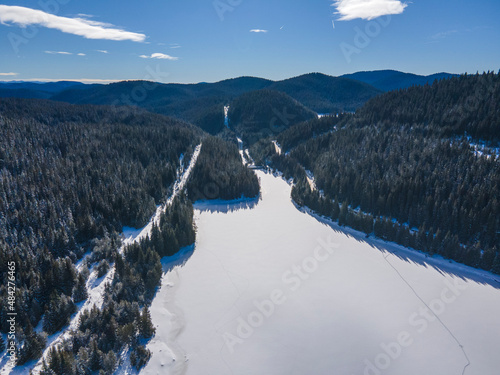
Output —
(403, 168)
(388, 80)
(326, 94)
(202, 104)
(265, 112)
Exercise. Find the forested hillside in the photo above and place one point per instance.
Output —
(263, 113)
(220, 174)
(467, 104)
(123, 324)
(403, 168)
(388, 80)
(326, 94)
(202, 104)
(70, 178)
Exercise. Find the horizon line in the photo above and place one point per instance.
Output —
(108, 81)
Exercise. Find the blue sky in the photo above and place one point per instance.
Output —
(209, 40)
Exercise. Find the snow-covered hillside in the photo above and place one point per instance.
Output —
(96, 286)
(269, 289)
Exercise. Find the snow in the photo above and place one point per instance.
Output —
(245, 156)
(310, 180)
(269, 289)
(226, 118)
(96, 286)
(277, 147)
(481, 150)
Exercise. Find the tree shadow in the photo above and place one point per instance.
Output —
(178, 259)
(222, 206)
(438, 263)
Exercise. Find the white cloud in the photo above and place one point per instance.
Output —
(175, 45)
(367, 9)
(58, 53)
(258, 31)
(81, 54)
(160, 56)
(101, 50)
(9, 74)
(23, 17)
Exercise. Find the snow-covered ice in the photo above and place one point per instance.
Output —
(268, 289)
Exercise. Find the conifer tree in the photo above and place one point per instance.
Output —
(146, 327)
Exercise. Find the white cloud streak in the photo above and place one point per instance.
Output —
(58, 53)
(160, 56)
(89, 29)
(444, 34)
(102, 51)
(9, 74)
(367, 9)
(258, 31)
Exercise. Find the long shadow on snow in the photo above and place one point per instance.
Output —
(183, 255)
(441, 265)
(178, 259)
(222, 206)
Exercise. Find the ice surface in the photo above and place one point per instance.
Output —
(269, 289)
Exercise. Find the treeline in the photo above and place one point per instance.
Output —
(220, 174)
(70, 178)
(451, 107)
(124, 323)
(407, 179)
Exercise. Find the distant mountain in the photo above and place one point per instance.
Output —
(202, 103)
(388, 80)
(35, 90)
(326, 94)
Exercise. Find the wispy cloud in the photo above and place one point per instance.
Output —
(444, 34)
(175, 45)
(258, 31)
(23, 17)
(58, 53)
(101, 50)
(81, 54)
(367, 9)
(9, 74)
(160, 56)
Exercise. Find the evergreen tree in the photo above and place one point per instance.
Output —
(80, 290)
(139, 356)
(46, 370)
(146, 327)
(496, 264)
(3, 346)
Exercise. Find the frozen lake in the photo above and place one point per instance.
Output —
(268, 289)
